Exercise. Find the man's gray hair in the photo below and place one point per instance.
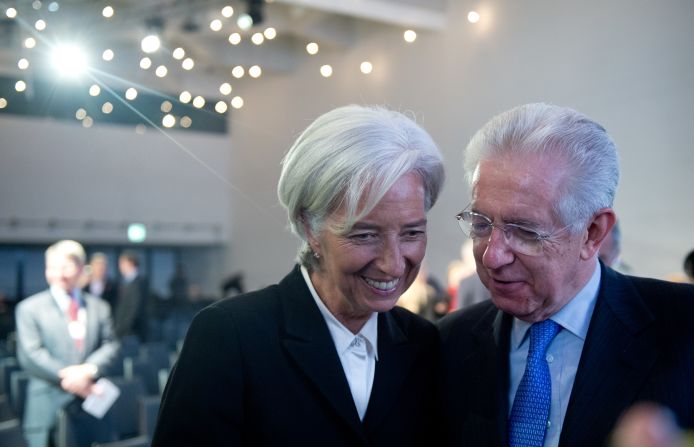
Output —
(561, 133)
(68, 248)
(347, 154)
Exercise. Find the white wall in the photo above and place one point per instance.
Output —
(626, 63)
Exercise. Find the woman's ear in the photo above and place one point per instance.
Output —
(598, 229)
(310, 237)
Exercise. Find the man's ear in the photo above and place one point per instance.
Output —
(599, 227)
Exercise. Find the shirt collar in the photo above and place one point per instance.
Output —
(574, 316)
(62, 298)
(343, 337)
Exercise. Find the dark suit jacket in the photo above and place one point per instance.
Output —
(130, 316)
(261, 369)
(110, 293)
(639, 346)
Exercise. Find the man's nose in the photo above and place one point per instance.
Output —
(497, 253)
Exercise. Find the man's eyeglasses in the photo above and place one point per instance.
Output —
(520, 239)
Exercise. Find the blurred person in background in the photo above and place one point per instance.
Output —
(324, 357)
(133, 298)
(99, 284)
(65, 340)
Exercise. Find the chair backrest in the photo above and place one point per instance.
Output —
(149, 409)
(124, 414)
(19, 380)
(139, 441)
(142, 368)
(7, 366)
(11, 434)
(6, 411)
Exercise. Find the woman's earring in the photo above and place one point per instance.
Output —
(316, 255)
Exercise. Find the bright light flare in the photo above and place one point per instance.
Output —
(227, 11)
(179, 53)
(69, 60)
(473, 16)
(312, 48)
(326, 71)
(270, 33)
(150, 43)
(409, 36)
(107, 12)
(11, 13)
(234, 38)
(366, 67)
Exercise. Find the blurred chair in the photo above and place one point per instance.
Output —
(18, 391)
(6, 411)
(149, 409)
(143, 369)
(7, 366)
(130, 346)
(79, 429)
(11, 434)
(140, 441)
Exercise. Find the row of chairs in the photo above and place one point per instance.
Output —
(129, 423)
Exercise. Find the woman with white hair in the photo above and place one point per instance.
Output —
(324, 357)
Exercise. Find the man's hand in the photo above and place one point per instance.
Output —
(78, 379)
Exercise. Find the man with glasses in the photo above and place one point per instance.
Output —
(566, 344)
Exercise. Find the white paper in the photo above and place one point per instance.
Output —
(98, 404)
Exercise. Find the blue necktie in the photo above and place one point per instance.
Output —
(528, 421)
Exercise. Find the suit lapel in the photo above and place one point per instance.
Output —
(396, 354)
(308, 342)
(619, 351)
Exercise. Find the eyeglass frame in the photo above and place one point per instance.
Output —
(539, 238)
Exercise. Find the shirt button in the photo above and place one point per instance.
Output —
(550, 358)
(549, 424)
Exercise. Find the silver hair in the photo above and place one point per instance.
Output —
(348, 154)
(68, 248)
(561, 133)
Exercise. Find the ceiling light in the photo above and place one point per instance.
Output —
(237, 102)
(131, 93)
(186, 121)
(40, 25)
(94, 90)
(80, 114)
(87, 122)
(107, 12)
(145, 63)
(20, 86)
(188, 64)
(168, 121)
(30, 42)
(366, 67)
(257, 38)
(11, 13)
(107, 55)
(150, 43)
(221, 107)
(23, 64)
(166, 106)
(3, 103)
(245, 22)
(409, 36)
(36, 4)
(185, 97)
(69, 60)
(53, 6)
(225, 88)
(179, 53)
(161, 71)
(227, 11)
(255, 71)
(473, 17)
(198, 102)
(234, 38)
(326, 71)
(216, 25)
(270, 33)
(238, 72)
(312, 48)
(107, 108)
